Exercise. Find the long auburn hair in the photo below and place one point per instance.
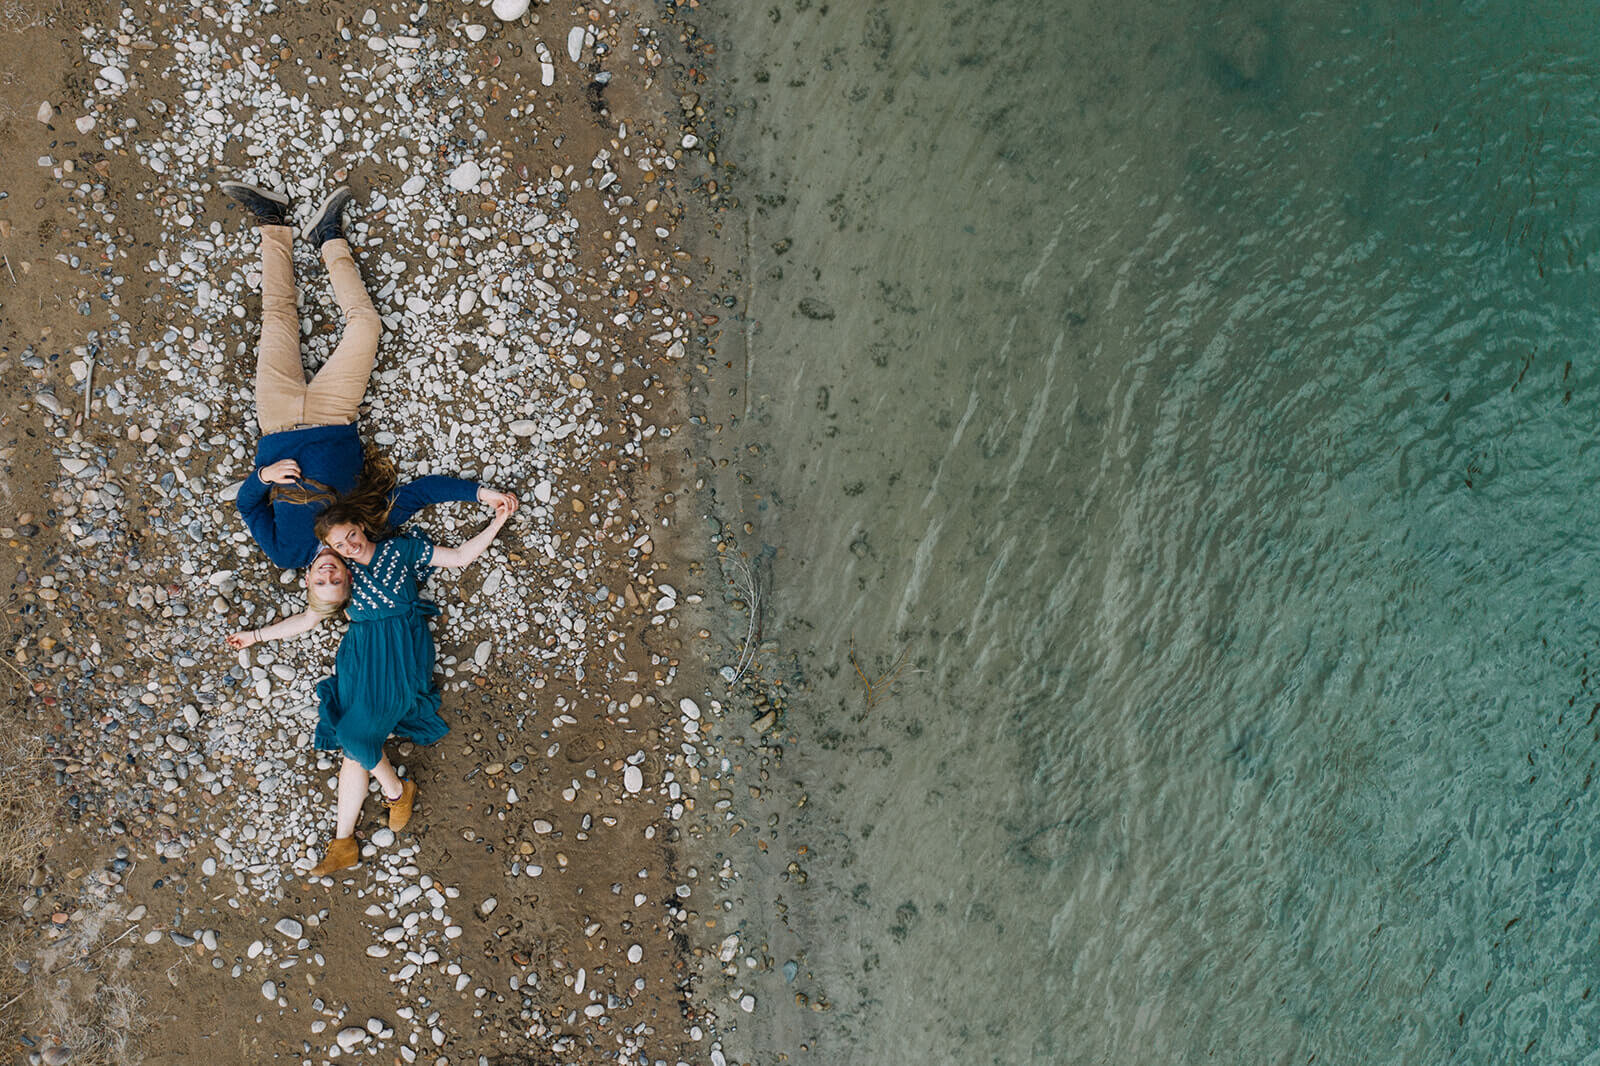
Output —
(367, 505)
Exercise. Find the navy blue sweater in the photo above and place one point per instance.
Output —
(331, 455)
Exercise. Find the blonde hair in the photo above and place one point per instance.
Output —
(326, 608)
(317, 605)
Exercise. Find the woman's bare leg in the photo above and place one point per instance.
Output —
(388, 780)
(352, 794)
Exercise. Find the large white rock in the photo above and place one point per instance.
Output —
(575, 43)
(465, 177)
(510, 10)
(632, 779)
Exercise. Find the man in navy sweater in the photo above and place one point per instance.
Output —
(309, 442)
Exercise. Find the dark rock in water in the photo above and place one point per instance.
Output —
(906, 916)
(816, 309)
(879, 34)
(1056, 842)
(1242, 48)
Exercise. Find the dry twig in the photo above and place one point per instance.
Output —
(747, 586)
(884, 685)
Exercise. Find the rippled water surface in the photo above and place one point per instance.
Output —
(1203, 398)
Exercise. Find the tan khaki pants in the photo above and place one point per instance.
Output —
(284, 399)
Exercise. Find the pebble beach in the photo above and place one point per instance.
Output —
(521, 175)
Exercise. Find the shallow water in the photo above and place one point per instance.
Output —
(1202, 399)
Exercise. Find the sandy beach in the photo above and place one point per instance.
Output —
(520, 186)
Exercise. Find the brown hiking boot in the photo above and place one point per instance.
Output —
(342, 854)
(400, 806)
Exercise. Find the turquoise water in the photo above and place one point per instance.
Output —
(1203, 399)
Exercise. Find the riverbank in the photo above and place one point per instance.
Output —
(520, 188)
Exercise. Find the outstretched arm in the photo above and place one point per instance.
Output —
(456, 558)
(292, 626)
(413, 496)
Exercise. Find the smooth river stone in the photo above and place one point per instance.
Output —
(465, 177)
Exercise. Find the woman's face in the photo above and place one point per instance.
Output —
(328, 579)
(349, 540)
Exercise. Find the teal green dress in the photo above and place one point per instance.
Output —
(382, 683)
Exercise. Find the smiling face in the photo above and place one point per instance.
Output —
(350, 541)
(328, 579)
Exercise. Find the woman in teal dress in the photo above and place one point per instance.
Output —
(382, 683)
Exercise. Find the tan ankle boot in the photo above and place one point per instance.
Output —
(342, 854)
(400, 808)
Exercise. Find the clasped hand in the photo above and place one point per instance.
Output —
(282, 472)
(504, 503)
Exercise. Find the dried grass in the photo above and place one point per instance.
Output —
(744, 581)
(17, 15)
(23, 823)
(106, 1033)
